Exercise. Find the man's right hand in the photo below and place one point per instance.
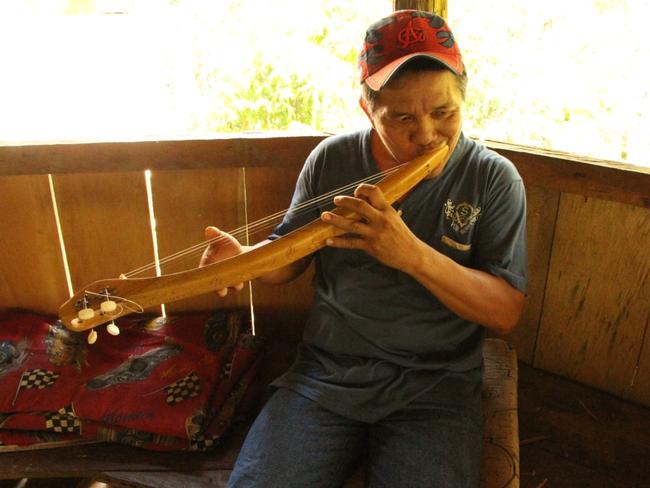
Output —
(222, 246)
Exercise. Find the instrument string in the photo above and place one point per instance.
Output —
(267, 222)
(123, 302)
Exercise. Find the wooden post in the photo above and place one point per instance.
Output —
(437, 6)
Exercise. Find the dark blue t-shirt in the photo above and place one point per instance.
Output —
(376, 339)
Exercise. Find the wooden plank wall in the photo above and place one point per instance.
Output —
(185, 203)
(104, 222)
(31, 267)
(587, 314)
(598, 294)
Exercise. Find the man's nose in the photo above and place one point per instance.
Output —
(424, 133)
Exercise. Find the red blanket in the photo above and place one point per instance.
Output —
(175, 385)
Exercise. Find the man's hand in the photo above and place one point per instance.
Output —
(222, 246)
(381, 232)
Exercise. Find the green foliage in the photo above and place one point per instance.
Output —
(267, 99)
(286, 73)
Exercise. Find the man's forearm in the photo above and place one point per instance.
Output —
(284, 274)
(472, 294)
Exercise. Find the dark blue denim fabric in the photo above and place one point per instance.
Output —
(296, 443)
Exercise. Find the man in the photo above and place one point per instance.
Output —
(391, 359)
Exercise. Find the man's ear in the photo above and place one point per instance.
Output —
(364, 106)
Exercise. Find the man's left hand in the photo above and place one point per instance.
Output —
(380, 232)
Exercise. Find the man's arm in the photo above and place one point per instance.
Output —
(223, 245)
(473, 294)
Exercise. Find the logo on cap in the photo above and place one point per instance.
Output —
(410, 35)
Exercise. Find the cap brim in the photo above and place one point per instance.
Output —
(378, 80)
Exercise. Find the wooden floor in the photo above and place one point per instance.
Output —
(571, 437)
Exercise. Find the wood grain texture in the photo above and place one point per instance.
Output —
(569, 173)
(639, 390)
(181, 154)
(583, 427)
(596, 304)
(500, 457)
(105, 224)
(31, 266)
(91, 460)
(202, 479)
(542, 208)
(543, 468)
(563, 172)
(281, 309)
(185, 202)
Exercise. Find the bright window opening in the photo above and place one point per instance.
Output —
(93, 69)
(563, 75)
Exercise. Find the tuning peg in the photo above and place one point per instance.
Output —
(108, 306)
(92, 336)
(113, 329)
(86, 314)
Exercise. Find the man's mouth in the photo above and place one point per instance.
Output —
(431, 148)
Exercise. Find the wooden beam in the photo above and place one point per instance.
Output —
(96, 157)
(437, 6)
(155, 479)
(569, 173)
(87, 461)
(563, 172)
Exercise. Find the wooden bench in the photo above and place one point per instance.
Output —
(126, 466)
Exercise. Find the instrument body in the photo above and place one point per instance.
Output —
(147, 292)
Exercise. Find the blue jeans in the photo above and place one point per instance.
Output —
(296, 443)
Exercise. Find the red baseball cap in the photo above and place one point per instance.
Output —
(403, 35)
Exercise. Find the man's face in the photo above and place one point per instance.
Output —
(418, 112)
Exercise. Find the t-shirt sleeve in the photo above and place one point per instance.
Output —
(302, 209)
(501, 249)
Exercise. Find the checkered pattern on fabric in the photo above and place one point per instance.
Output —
(64, 420)
(187, 387)
(37, 378)
(203, 443)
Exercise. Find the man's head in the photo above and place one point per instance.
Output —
(413, 84)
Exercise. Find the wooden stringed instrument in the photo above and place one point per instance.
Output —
(104, 301)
